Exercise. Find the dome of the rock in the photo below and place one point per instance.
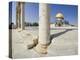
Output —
(59, 16)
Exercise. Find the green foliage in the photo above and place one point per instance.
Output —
(31, 24)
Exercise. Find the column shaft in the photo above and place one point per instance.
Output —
(16, 15)
(22, 16)
(18, 12)
(44, 24)
(44, 29)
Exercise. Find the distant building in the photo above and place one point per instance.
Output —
(59, 19)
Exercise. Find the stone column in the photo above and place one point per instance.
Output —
(44, 28)
(16, 15)
(18, 9)
(22, 16)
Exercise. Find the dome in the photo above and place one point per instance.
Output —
(60, 16)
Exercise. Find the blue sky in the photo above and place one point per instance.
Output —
(70, 12)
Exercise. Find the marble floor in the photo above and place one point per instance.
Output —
(64, 42)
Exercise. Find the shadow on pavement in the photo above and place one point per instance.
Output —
(58, 34)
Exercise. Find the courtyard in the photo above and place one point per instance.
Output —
(64, 42)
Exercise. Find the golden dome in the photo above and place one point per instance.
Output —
(60, 15)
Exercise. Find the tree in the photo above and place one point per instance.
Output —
(35, 24)
(28, 24)
(66, 22)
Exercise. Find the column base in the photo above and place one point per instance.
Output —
(19, 29)
(34, 43)
(41, 48)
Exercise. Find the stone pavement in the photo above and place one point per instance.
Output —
(63, 43)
